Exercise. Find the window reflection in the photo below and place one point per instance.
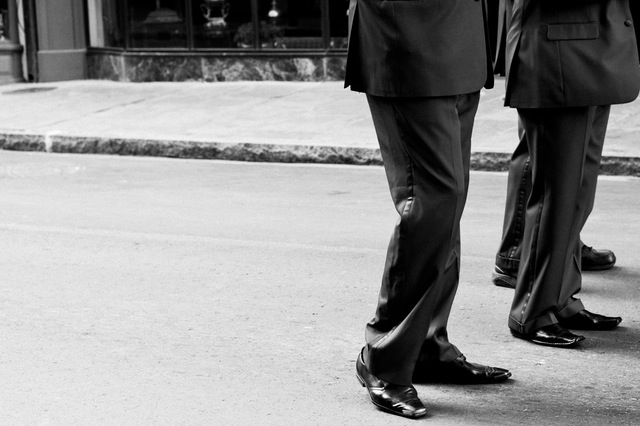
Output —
(338, 23)
(157, 23)
(298, 23)
(215, 22)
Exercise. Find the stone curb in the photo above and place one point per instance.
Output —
(255, 152)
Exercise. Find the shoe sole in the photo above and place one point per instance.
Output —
(472, 381)
(503, 280)
(542, 343)
(592, 327)
(598, 267)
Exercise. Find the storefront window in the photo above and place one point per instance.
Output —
(218, 24)
(105, 27)
(157, 24)
(339, 23)
(298, 23)
(4, 22)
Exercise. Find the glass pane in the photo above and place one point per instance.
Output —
(216, 23)
(157, 23)
(4, 20)
(105, 28)
(339, 23)
(291, 24)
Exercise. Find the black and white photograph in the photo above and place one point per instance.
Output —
(319, 212)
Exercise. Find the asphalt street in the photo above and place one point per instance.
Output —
(153, 291)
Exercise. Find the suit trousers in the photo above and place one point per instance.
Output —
(425, 145)
(565, 145)
(518, 190)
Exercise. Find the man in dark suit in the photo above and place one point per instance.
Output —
(567, 62)
(422, 65)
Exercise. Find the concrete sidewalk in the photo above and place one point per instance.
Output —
(249, 121)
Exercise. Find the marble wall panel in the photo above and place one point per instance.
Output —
(105, 67)
(162, 68)
(236, 69)
(209, 68)
(335, 68)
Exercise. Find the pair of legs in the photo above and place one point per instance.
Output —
(565, 145)
(425, 145)
(518, 190)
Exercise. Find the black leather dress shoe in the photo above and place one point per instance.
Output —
(504, 277)
(551, 335)
(597, 260)
(459, 371)
(585, 320)
(395, 399)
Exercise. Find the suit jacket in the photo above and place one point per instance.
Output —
(563, 53)
(415, 48)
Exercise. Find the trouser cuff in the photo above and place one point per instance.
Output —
(507, 263)
(570, 309)
(532, 325)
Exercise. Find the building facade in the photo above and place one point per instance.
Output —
(10, 48)
(181, 40)
(185, 40)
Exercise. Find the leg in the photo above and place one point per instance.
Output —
(592, 160)
(558, 141)
(436, 347)
(439, 360)
(572, 281)
(563, 185)
(591, 259)
(585, 320)
(518, 189)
